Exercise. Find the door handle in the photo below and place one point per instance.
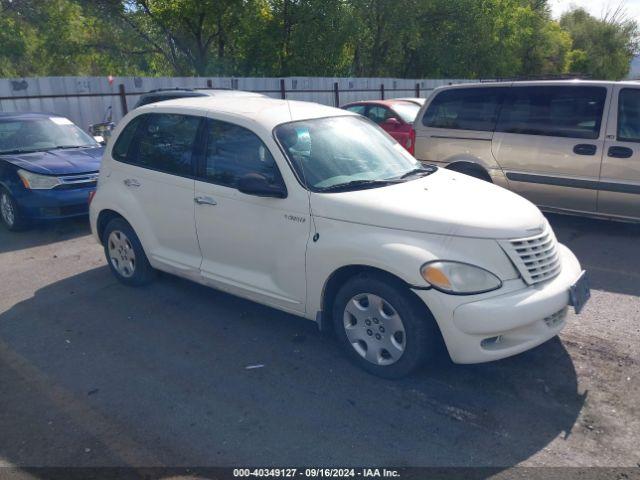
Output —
(620, 152)
(585, 149)
(131, 182)
(205, 201)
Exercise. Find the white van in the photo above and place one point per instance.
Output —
(317, 212)
(568, 146)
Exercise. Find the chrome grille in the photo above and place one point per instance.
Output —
(536, 258)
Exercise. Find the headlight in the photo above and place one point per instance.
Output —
(34, 181)
(459, 278)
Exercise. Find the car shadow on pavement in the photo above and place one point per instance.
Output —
(43, 233)
(174, 374)
(607, 250)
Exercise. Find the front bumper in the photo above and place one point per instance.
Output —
(54, 204)
(498, 325)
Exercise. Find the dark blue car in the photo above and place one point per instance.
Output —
(48, 168)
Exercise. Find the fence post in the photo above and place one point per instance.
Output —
(336, 94)
(417, 90)
(382, 91)
(209, 83)
(123, 99)
(283, 91)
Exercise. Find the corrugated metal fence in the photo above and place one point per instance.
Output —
(87, 100)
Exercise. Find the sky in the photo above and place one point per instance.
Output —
(597, 7)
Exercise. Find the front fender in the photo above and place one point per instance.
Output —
(398, 252)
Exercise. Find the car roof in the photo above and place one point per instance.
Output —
(26, 115)
(264, 111)
(198, 92)
(517, 83)
(387, 102)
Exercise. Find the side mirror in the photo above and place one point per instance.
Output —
(392, 122)
(258, 185)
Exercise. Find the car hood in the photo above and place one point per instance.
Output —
(445, 202)
(58, 162)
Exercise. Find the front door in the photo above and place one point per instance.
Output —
(252, 246)
(549, 142)
(620, 181)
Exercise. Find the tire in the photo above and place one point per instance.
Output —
(473, 171)
(10, 215)
(399, 337)
(125, 255)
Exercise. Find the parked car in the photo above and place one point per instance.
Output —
(568, 146)
(418, 101)
(48, 168)
(315, 211)
(396, 117)
(162, 94)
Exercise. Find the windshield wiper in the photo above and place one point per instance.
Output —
(21, 150)
(68, 147)
(357, 184)
(417, 171)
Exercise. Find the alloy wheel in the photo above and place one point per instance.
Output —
(6, 210)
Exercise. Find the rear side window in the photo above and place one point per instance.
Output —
(629, 115)
(233, 152)
(359, 109)
(120, 150)
(465, 109)
(379, 114)
(162, 141)
(555, 111)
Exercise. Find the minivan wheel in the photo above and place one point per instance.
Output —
(125, 254)
(382, 326)
(9, 213)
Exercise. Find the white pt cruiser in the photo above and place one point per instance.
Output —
(318, 212)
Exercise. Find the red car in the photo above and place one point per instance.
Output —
(396, 117)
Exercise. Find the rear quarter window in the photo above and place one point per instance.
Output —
(465, 109)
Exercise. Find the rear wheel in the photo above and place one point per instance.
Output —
(125, 254)
(9, 212)
(382, 326)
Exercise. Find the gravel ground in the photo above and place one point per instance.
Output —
(95, 373)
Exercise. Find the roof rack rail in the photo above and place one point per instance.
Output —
(560, 76)
(156, 90)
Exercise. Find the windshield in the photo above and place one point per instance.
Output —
(407, 111)
(348, 152)
(32, 135)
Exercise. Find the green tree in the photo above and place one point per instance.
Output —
(602, 48)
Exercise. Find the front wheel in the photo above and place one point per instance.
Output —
(125, 254)
(9, 212)
(382, 326)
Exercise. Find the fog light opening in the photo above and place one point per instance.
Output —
(492, 342)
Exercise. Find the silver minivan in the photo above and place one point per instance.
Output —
(568, 146)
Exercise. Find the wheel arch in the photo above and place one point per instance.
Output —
(464, 166)
(104, 217)
(340, 276)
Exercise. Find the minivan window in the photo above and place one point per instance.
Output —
(555, 111)
(629, 115)
(465, 109)
(233, 152)
(163, 142)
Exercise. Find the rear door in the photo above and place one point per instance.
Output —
(620, 178)
(154, 174)
(549, 142)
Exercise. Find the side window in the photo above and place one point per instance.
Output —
(379, 114)
(465, 109)
(122, 146)
(570, 112)
(165, 142)
(233, 152)
(629, 115)
(359, 109)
